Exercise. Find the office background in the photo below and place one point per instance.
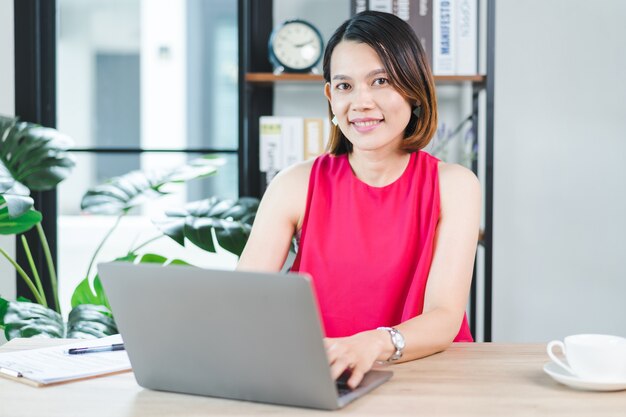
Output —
(559, 161)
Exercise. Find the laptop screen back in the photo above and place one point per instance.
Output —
(242, 335)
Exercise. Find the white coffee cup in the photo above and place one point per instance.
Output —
(593, 357)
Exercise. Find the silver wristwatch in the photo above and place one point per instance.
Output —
(398, 342)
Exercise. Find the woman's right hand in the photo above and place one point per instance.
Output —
(357, 354)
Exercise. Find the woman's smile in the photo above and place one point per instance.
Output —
(365, 124)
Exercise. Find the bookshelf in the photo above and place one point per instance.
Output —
(256, 84)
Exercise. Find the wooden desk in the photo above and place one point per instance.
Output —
(466, 380)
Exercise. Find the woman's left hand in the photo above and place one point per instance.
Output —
(356, 353)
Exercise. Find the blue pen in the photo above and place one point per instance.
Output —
(94, 349)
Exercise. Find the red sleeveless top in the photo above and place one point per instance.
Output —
(369, 249)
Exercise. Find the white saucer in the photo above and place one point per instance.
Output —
(561, 375)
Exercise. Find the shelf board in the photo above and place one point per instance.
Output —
(477, 79)
(268, 77)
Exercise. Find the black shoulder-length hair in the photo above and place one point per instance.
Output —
(406, 64)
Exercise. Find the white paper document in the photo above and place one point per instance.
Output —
(53, 364)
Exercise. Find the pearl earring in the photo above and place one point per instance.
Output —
(334, 120)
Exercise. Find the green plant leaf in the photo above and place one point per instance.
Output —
(14, 196)
(83, 294)
(20, 224)
(25, 319)
(4, 304)
(15, 204)
(173, 225)
(121, 194)
(5, 125)
(152, 258)
(33, 155)
(232, 236)
(88, 321)
(201, 167)
(179, 262)
(231, 220)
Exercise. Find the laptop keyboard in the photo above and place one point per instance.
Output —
(342, 384)
(343, 391)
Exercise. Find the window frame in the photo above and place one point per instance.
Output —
(35, 23)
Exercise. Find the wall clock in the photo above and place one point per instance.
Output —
(295, 46)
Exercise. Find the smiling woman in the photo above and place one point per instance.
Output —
(387, 232)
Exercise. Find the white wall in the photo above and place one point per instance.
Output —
(7, 107)
(560, 169)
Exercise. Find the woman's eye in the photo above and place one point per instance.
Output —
(381, 81)
(342, 86)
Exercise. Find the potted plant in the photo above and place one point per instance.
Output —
(36, 158)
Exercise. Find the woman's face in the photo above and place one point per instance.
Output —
(371, 113)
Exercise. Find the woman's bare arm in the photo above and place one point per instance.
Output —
(278, 217)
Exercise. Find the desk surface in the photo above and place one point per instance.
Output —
(468, 379)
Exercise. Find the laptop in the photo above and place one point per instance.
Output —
(230, 334)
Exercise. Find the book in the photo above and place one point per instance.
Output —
(421, 20)
(466, 37)
(270, 149)
(53, 365)
(313, 137)
(418, 14)
(381, 5)
(292, 140)
(444, 37)
(357, 6)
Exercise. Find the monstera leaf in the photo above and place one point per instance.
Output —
(16, 207)
(32, 156)
(25, 319)
(15, 204)
(85, 294)
(230, 220)
(88, 321)
(120, 194)
(19, 222)
(91, 313)
(14, 195)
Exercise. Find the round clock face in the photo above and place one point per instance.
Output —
(296, 45)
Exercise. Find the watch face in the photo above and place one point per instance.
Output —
(398, 340)
(296, 45)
